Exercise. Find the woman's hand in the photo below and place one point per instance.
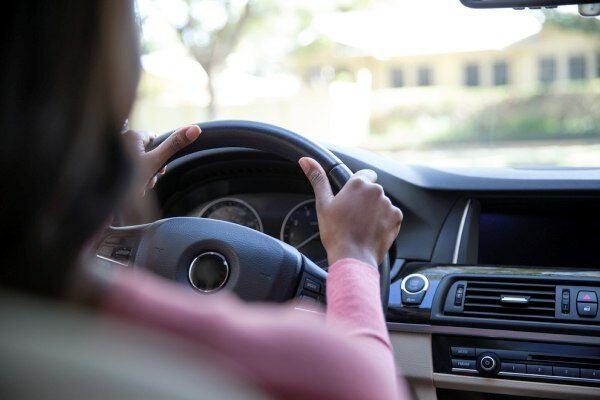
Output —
(153, 161)
(359, 222)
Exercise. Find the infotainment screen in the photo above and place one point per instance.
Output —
(540, 233)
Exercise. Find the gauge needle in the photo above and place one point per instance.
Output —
(307, 241)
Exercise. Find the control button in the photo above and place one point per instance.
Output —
(488, 363)
(311, 285)
(464, 364)
(566, 301)
(566, 372)
(105, 251)
(587, 297)
(414, 284)
(513, 368)
(308, 300)
(587, 309)
(505, 354)
(460, 294)
(590, 373)
(412, 298)
(539, 369)
(122, 253)
(463, 351)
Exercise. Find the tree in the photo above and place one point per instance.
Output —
(210, 45)
(211, 40)
(571, 22)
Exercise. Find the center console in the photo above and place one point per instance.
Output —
(521, 360)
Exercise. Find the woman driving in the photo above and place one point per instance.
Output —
(69, 76)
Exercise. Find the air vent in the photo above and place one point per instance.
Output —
(509, 300)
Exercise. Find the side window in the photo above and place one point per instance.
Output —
(424, 76)
(396, 77)
(577, 68)
(547, 70)
(472, 75)
(500, 73)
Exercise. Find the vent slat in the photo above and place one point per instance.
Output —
(511, 284)
(497, 298)
(515, 308)
(506, 315)
(510, 291)
(484, 299)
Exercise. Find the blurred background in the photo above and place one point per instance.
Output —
(423, 81)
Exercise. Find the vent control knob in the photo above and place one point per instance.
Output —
(488, 363)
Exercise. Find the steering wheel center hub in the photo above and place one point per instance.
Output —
(209, 272)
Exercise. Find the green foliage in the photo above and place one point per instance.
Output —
(568, 21)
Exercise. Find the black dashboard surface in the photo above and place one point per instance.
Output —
(442, 208)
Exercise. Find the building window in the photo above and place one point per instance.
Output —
(577, 68)
(397, 77)
(547, 70)
(424, 76)
(472, 75)
(500, 73)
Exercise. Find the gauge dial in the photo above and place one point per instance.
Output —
(301, 229)
(233, 210)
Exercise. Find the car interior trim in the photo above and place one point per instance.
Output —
(482, 332)
(514, 387)
(459, 235)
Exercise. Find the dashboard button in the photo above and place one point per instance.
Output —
(463, 351)
(460, 294)
(414, 284)
(566, 301)
(311, 285)
(590, 373)
(412, 298)
(566, 372)
(463, 364)
(587, 297)
(513, 368)
(488, 363)
(539, 369)
(587, 309)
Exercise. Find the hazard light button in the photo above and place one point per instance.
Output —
(587, 297)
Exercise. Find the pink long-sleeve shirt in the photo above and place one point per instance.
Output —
(289, 353)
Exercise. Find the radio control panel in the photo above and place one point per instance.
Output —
(512, 359)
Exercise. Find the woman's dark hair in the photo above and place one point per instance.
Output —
(64, 168)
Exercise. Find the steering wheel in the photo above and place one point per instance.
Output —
(211, 255)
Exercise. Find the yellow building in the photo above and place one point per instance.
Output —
(553, 55)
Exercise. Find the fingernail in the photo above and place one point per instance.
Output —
(192, 133)
(304, 165)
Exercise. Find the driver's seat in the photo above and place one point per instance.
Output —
(57, 351)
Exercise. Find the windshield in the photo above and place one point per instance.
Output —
(425, 82)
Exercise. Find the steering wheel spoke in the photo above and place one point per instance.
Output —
(118, 245)
(311, 288)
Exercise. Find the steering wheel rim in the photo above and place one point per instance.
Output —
(282, 142)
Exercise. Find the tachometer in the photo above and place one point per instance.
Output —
(301, 229)
(233, 210)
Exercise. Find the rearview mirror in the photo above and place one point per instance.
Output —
(521, 3)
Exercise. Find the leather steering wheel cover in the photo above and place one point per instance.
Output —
(279, 141)
(272, 139)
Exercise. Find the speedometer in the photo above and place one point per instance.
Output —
(301, 229)
(233, 210)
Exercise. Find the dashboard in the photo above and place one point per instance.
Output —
(490, 264)
(290, 217)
